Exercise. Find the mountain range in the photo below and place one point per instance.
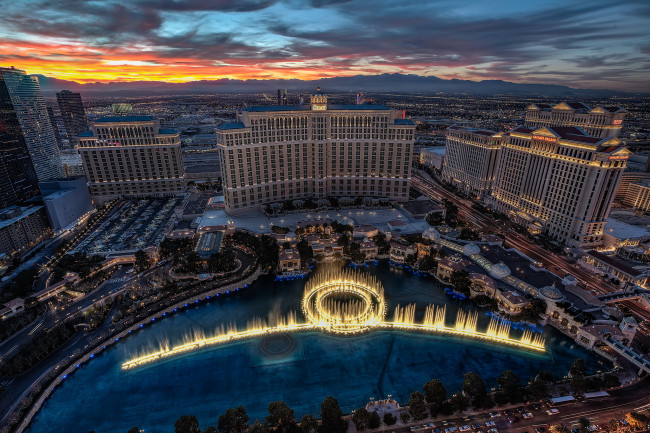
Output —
(399, 83)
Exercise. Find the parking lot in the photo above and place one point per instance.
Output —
(137, 225)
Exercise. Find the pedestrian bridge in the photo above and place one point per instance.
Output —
(629, 354)
(624, 295)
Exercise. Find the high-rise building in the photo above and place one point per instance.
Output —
(73, 114)
(18, 181)
(131, 156)
(470, 159)
(559, 180)
(278, 153)
(29, 105)
(55, 126)
(282, 96)
(598, 122)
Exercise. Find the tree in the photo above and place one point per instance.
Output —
(233, 421)
(187, 424)
(428, 263)
(435, 392)
(331, 416)
(434, 218)
(214, 430)
(459, 402)
(193, 262)
(141, 261)
(509, 385)
(134, 430)
(411, 259)
(389, 419)
(461, 281)
(280, 416)
(417, 406)
(308, 424)
(578, 368)
(610, 381)
(405, 417)
(469, 235)
(584, 424)
(560, 428)
(373, 420)
(474, 387)
(258, 427)
(537, 389)
(531, 312)
(360, 418)
(636, 419)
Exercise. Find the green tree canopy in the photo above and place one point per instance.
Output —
(331, 416)
(435, 392)
(233, 420)
(187, 424)
(474, 387)
(360, 418)
(280, 415)
(417, 406)
(373, 420)
(308, 424)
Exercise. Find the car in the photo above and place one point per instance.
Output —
(528, 415)
(475, 426)
(465, 428)
(490, 424)
(494, 414)
(493, 430)
(521, 409)
(552, 411)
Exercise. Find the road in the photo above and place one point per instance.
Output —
(557, 264)
(622, 401)
(20, 385)
(52, 317)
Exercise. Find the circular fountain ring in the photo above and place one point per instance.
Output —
(360, 304)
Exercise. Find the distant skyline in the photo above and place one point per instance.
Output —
(582, 44)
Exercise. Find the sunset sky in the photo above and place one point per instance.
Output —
(583, 44)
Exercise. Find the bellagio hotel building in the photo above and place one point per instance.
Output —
(277, 153)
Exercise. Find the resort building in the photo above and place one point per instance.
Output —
(288, 261)
(291, 152)
(131, 156)
(22, 228)
(433, 157)
(470, 159)
(601, 122)
(559, 180)
(638, 196)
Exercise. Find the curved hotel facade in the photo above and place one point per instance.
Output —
(289, 152)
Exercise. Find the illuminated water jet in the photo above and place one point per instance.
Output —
(347, 302)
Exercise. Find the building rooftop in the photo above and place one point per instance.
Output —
(404, 122)
(166, 131)
(233, 125)
(604, 258)
(306, 107)
(26, 211)
(87, 134)
(622, 230)
(115, 119)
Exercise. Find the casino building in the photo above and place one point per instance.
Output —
(131, 156)
(601, 122)
(289, 152)
(560, 180)
(470, 159)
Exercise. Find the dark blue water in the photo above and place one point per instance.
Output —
(104, 398)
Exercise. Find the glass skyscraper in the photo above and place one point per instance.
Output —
(18, 181)
(73, 114)
(30, 108)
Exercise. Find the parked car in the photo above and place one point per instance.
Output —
(490, 424)
(528, 415)
(552, 411)
(465, 428)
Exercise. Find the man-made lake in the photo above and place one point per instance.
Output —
(301, 369)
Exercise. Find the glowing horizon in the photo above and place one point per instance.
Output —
(174, 41)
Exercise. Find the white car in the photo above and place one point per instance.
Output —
(494, 414)
(465, 428)
(493, 430)
(528, 415)
(552, 411)
(490, 424)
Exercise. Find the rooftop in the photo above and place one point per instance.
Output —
(404, 122)
(266, 108)
(115, 119)
(233, 125)
(604, 258)
(166, 131)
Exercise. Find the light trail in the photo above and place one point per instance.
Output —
(348, 302)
